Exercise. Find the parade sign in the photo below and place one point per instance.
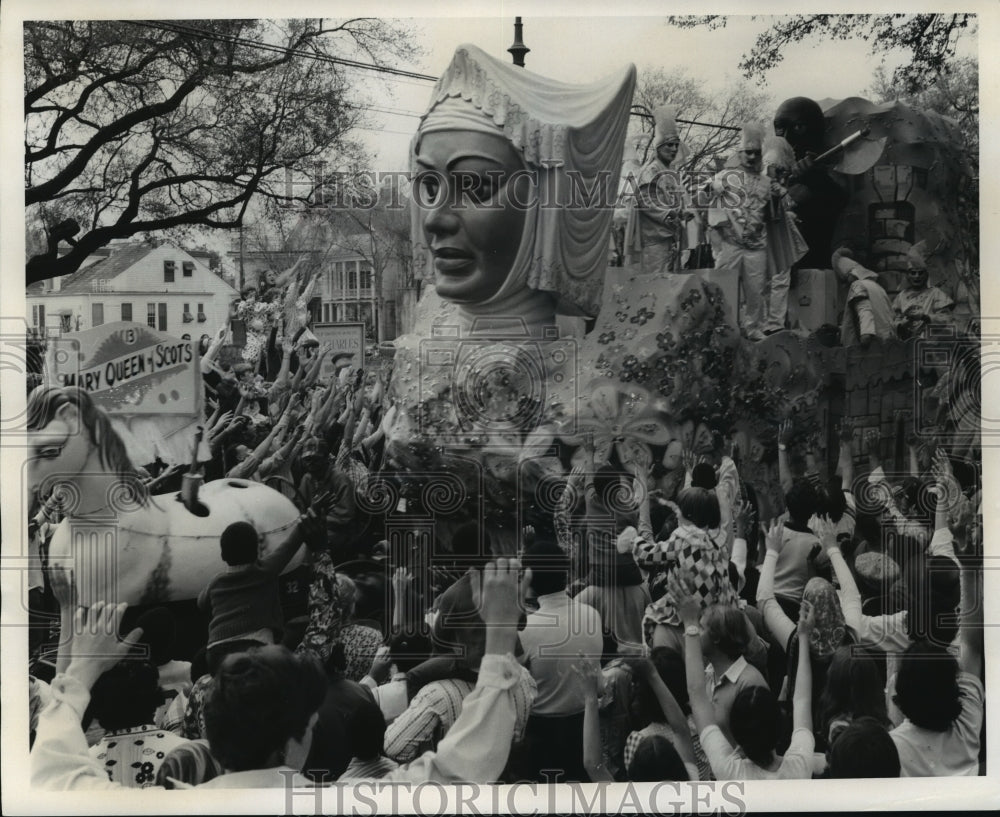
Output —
(129, 369)
(344, 339)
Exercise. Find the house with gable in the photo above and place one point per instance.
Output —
(162, 286)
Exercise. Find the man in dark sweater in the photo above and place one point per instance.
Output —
(243, 600)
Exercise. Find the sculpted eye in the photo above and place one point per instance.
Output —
(483, 186)
(429, 185)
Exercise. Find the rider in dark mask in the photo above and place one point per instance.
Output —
(818, 198)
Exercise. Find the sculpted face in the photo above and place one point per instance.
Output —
(469, 189)
(667, 151)
(916, 276)
(751, 155)
(58, 448)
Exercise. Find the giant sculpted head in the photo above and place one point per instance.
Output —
(503, 163)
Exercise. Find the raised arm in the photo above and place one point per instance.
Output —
(564, 507)
(670, 708)
(970, 628)
(785, 436)
(780, 625)
(802, 697)
(281, 380)
(850, 596)
(946, 488)
(845, 459)
(742, 512)
(213, 349)
(286, 449)
(316, 365)
(285, 278)
(477, 746)
(694, 664)
(307, 524)
(590, 680)
(89, 647)
(639, 470)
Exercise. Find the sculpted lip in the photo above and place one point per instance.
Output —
(451, 259)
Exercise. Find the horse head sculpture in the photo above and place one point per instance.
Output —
(122, 543)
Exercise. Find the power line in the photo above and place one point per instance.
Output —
(179, 28)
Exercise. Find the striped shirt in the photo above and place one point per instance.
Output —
(436, 707)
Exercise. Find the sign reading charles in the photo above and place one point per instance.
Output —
(128, 368)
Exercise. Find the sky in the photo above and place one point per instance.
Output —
(570, 40)
(585, 48)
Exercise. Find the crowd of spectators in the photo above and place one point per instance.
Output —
(655, 628)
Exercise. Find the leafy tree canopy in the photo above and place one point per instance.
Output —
(930, 39)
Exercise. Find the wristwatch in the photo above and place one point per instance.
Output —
(693, 630)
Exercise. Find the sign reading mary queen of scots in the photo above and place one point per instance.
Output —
(129, 369)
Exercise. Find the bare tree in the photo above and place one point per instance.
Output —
(729, 108)
(137, 127)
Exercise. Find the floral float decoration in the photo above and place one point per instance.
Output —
(258, 316)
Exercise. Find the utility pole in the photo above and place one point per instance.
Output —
(242, 281)
(518, 49)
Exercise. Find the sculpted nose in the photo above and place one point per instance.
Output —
(440, 218)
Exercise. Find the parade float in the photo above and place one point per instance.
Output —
(494, 393)
(122, 394)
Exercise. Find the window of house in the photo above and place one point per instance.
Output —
(188, 268)
(162, 316)
(366, 276)
(187, 316)
(202, 317)
(352, 274)
(169, 267)
(126, 312)
(96, 314)
(151, 315)
(38, 315)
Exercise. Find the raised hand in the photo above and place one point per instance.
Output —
(774, 535)
(93, 646)
(786, 432)
(497, 597)
(689, 459)
(941, 466)
(402, 579)
(381, 665)
(872, 439)
(807, 620)
(742, 513)
(826, 532)
(846, 430)
(588, 675)
(688, 607)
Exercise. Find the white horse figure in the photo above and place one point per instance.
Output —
(122, 544)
